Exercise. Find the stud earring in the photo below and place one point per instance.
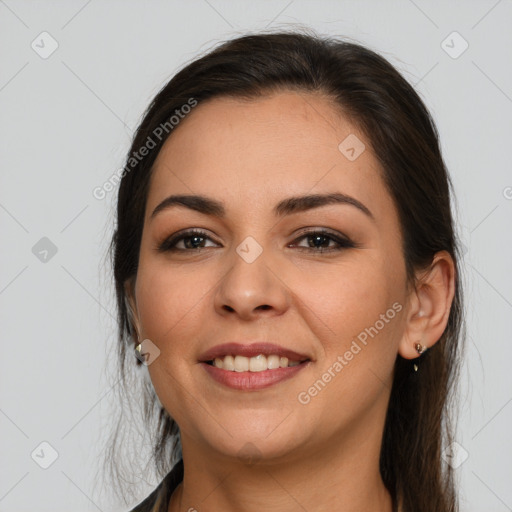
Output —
(138, 346)
(420, 348)
(138, 352)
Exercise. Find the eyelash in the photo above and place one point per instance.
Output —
(169, 245)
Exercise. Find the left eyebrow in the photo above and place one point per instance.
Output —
(212, 207)
(303, 203)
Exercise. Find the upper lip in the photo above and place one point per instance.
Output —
(251, 350)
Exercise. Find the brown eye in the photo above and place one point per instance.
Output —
(320, 240)
(193, 240)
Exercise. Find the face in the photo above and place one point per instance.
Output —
(326, 281)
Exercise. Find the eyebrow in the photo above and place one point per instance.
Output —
(212, 207)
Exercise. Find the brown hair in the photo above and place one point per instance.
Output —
(403, 136)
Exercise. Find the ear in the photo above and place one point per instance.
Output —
(429, 305)
(131, 305)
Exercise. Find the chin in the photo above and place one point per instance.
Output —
(258, 451)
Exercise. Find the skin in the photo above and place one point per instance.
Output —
(250, 155)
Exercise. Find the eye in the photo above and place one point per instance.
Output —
(193, 239)
(321, 239)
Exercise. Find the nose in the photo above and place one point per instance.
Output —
(252, 288)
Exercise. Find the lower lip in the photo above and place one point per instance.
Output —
(252, 381)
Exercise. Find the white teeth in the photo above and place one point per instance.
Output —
(227, 364)
(241, 364)
(272, 362)
(258, 363)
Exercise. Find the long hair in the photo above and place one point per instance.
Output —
(384, 106)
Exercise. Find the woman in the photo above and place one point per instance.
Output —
(287, 271)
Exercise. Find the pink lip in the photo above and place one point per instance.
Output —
(252, 350)
(252, 381)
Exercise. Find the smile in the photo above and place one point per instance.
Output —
(257, 363)
(252, 374)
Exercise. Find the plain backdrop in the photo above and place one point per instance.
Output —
(75, 77)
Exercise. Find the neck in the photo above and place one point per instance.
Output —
(343, 476)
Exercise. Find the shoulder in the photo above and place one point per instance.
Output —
(158, 500)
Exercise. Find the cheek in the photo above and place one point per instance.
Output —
(171, 305)
(358, 321)
(170, 302)
(349, 297)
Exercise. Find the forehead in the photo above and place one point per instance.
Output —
(252, 153)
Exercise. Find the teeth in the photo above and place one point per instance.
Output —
(241, 364)
(273, 362)
(258, 363)
(228, 363)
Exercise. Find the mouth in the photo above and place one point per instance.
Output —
(251, 367)
(255, 364)
(243, 356)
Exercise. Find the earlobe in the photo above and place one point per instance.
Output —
(429, 307)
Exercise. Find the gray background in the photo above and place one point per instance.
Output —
(66, 123)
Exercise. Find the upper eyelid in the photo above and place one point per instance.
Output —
(303, 232)
(186, 232)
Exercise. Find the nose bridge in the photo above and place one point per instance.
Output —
(251, 282)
